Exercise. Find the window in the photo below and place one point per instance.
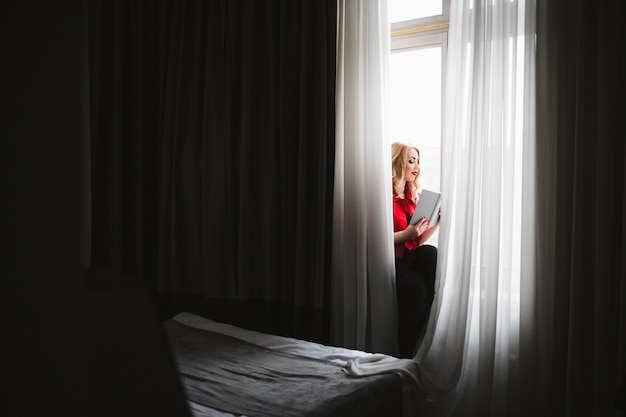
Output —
(402, 10)
(419, 34)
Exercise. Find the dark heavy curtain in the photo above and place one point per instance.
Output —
(212, 126)
(579, 343)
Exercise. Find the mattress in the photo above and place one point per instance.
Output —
(227, 371)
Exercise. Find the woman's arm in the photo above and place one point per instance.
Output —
(430, 231)
(427, 234)
(411, 232)
(399, 237)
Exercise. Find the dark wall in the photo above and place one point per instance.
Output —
(68, 349)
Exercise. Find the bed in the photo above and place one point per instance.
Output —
(228, 371)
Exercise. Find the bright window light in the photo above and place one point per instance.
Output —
(415, 107)
(401, 10)
(415, 90)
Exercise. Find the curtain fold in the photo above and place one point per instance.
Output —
(125, 104)
(469, 358)
(213, 141)
(579, 338)
(529, 317)
(363, 289)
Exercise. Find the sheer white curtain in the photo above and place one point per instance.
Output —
(363, 290)
(469, 356)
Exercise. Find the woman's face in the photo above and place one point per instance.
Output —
(412, 169)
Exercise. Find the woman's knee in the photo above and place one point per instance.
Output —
(427, 254)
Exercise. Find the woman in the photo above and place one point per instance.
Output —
(415, 261)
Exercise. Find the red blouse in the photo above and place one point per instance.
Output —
(403, 209)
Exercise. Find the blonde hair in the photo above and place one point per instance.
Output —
(399, 159)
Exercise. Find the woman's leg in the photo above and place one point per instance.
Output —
(425, 263)
(412, 298)
(415, 286)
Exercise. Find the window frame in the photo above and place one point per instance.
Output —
(425, 32)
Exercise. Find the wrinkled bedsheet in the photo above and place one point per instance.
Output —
(225, 373)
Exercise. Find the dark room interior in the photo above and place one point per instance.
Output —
(122, 193)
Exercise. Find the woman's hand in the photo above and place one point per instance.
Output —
(415, 231)
(418, 228)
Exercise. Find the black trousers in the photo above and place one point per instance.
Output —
(415, 290)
